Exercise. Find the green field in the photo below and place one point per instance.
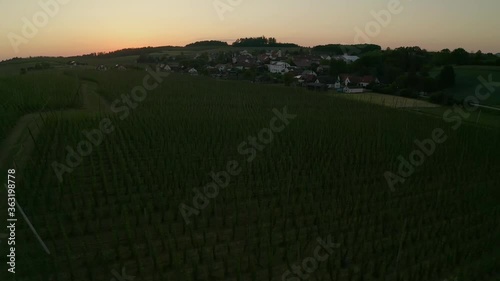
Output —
(483, 117)
(467, 80)
(321, 175)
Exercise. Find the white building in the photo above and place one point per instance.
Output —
(165, 67)
(278, 67)
(245, 53)
(193, 71)
(351, 90)
(347, 58)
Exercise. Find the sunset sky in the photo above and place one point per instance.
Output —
(84, 26)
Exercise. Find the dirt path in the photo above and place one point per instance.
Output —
(19, 143)
(92, 101)
(387, 100)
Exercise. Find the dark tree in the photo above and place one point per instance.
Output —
(460, 56)
(288, 79)
(447, 77)
(208, 43)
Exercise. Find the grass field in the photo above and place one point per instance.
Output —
(487, 118)
(466, 82)
(321, 175)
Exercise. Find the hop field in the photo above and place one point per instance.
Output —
(323, 175)
(33, 93)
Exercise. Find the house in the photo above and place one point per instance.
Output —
(174, 66)
(320, 69)
(294, 70)
(327, 80)
(348, 59)
(102, 68)
(163, 67)
(347, 79)
(278, 67)
(351, 90)
(264, 58)
(245, 53)
(193, 72)
(326, 57)
(243, 62)
(221, 67)
(362, 81)
(367, 80)
(211, 69)
(309, 72)
(309, 76)
(241, 58)
(242, 65)
(316, 86)
(302, 62)
(424, 95)
(276, 54)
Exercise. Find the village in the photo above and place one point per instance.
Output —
(292, 69)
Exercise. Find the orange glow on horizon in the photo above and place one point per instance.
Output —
(82, 27)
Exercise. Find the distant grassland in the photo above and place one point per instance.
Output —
(480, 117)
(467, 81)
(387, 100)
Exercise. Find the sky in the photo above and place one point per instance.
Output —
(74, 27)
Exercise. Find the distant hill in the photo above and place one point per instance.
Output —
(338, 49)
(208, 43)
(129, 52)
(261, 42)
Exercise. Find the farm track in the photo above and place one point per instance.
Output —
(92, 101)
(468, 122)
(387, 100)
